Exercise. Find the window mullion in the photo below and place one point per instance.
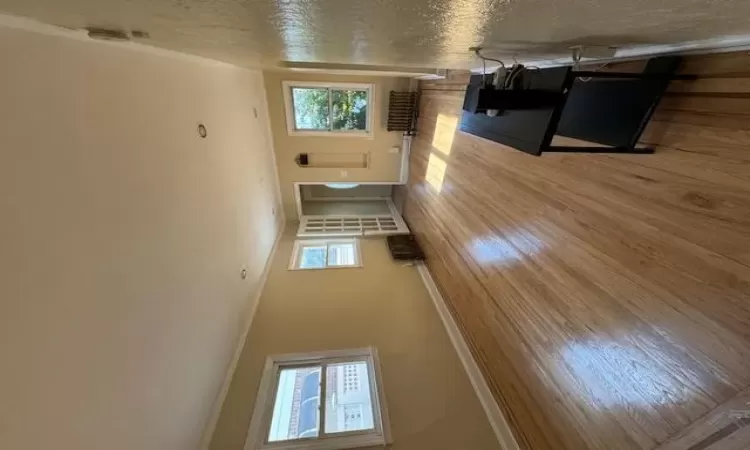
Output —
(368, 110)
(330, 109)
(323, 393)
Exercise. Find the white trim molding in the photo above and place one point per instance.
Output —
(369, 133)
(495, 416)
(213, 419)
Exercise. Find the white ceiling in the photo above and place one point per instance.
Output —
(432, 33)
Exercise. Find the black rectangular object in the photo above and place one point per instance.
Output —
(615, 111)
(611, 109)
(479, 99)
(521, 129)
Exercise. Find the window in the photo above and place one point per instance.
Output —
(328, 109)
(351, 378)
(303, 403)
(325, 254)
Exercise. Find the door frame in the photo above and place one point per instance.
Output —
(394, 213)
(298, 192)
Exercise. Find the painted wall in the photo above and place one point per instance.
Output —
(345, 208)
(321, 191)
(384, 166)
(430, 400)
(122, 239)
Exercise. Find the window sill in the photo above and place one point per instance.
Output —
(362, 135)
(304, 269)
(340, 443)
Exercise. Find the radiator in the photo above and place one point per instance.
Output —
(402, 112)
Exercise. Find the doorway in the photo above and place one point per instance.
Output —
(347, 209)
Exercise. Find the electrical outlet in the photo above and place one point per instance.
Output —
(344, 174)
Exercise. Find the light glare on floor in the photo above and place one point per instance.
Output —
(505, 249)
(445, 130)
(618, 375)
(435, 172)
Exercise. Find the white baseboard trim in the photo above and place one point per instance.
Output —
(213, 420)
(494, 414)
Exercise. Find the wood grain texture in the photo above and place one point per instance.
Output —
(606, 298)
(725, 428)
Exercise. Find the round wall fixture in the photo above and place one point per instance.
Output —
(342, 185)
(202, 130)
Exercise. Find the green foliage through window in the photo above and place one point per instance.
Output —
(321, 109)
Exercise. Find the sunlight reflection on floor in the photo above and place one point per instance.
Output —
(606, 371)
(445, 130)
(504, 249)
(611, 374)
(442, 144)
(436, 172)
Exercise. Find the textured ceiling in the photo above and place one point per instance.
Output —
(434, 33)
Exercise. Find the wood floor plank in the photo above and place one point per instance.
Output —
(725, 428)
(606, 298)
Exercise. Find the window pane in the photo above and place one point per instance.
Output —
(310, 108)
(297, 405)
(349, 109)
(340, 255)
(312, 257)
(348, 400)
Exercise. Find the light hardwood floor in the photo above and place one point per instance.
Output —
(606, 298)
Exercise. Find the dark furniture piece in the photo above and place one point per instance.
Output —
(404, 247)
(611, 108)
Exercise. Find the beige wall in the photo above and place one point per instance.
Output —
(430, 400)
(345, 208)
(384, 166)
(321, 191)
(122, 239)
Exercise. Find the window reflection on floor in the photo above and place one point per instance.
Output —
(611, 374)
(435, 172)
(505, 249)
(445, 130)
(442, 144)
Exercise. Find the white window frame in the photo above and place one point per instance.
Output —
(257, 437)
(294, 262)
(289, 108)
